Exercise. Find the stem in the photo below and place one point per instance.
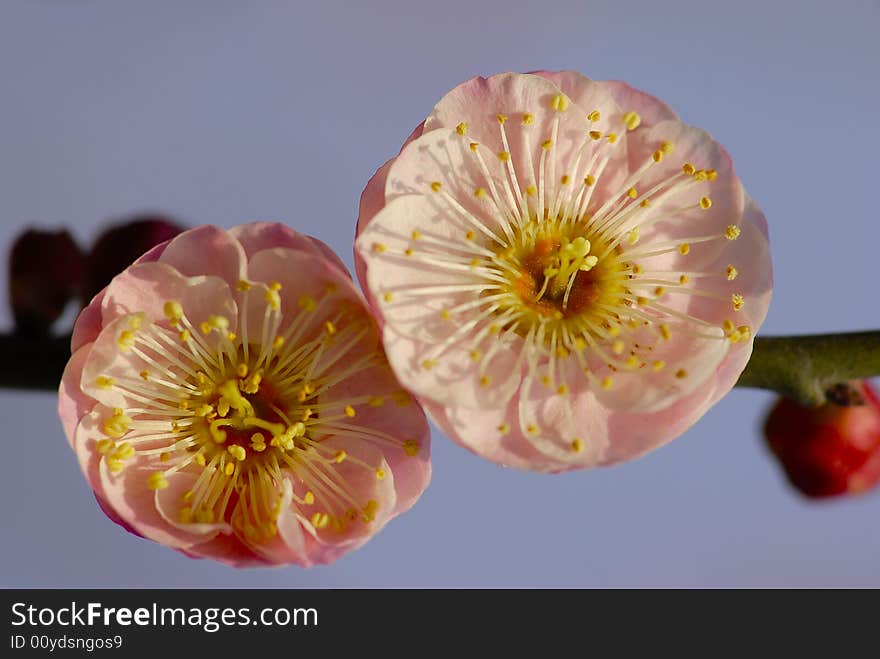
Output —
(800, 367)
(33, 362)
(804, 368)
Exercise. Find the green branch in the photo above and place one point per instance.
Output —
(804, 368)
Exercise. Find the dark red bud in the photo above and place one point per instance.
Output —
(45, 273)
(121, 245)
(828, 450)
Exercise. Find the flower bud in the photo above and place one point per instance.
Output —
(120, 245)
(45, 271)
(832, 449)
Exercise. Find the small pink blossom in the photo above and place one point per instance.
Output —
(566, 274)
(228, 397)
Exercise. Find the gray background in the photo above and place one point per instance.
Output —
(226, 112)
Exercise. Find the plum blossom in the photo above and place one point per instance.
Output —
(228, 396)
(566, 274)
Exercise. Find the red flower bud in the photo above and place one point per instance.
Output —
(122, 244)
(45, 272)
(831, 449)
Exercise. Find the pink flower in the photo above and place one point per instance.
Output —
(228, 397)
(566, 274)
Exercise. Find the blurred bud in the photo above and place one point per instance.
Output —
(832, 449)
(45, 273)
(122, 244)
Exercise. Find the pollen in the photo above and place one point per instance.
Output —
(737, 300)
(411, 447)
(349, 411)
(436, 186)
(157, 481)
(125, 341)
(594, 116)
(559, 102)
(731, 273)
(462, 128)
(577, 445)
(632, 120)
(705, 203)
(732, 232)
(528, 119)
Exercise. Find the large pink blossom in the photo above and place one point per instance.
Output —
(228, 396)
(566, 274)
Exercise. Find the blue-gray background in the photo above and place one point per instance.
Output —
(226, 112)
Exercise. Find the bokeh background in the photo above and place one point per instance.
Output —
(225, 112)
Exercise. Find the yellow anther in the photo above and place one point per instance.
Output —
(705, 203)
(480, 193)
(380, 474)
(731, 273)
(115, 465)
(607, 382)
(307, 414)
(594, 116)
(732, 232)
(665, 332)
(744, 331)
(618, 347)
(632, 193)
(349, 411)
(307, 303)
(125, 340)
(659, 291)
(164, 456)
(462, 128)
(309, 498)
(658, 365)
(173, 311)
(642, 300)
(589, 180)
(728, 326)
(547, 145)
(231, 336)
(436, 186)
(186, 515)
(683, 279)
(667, 147)
(503, 156)
(408, 251)
(475, 355)
(631, 120)
(369, 510)
(329, 327)
(339, 456)
(104, 445)
(532, 429)
(243, 285)
(485, 381)
(559, 102)
(562, 351)
(688, 169)
(379, 248)
(562, 389)
(611, 137)
(565, 180)
(104, 382)
(528, 119)
(470, 235)
(200, 459)
(236, 451)
(577, 445)
(428, 364)
(531, 190)
(579, 344)
(501, 118)
(376, 401)
(474, 146)
(711, 174)
(737, 300)
(277, 342)
(184, 336)
(445, 315)
(595, 135)
(320, 520)
(632, 361)
(157, 481)
(681, 374)
(118, 424)
(637, 269)
(205, 327)
(124, 451)
(205, 515)
(145, 374)
(546, 381)
(273, 299)
(411, 447)
(657, 156)
(229, 469)
(204, 410)
(684, 249)
(504, 428)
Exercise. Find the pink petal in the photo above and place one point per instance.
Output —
(206, 250)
